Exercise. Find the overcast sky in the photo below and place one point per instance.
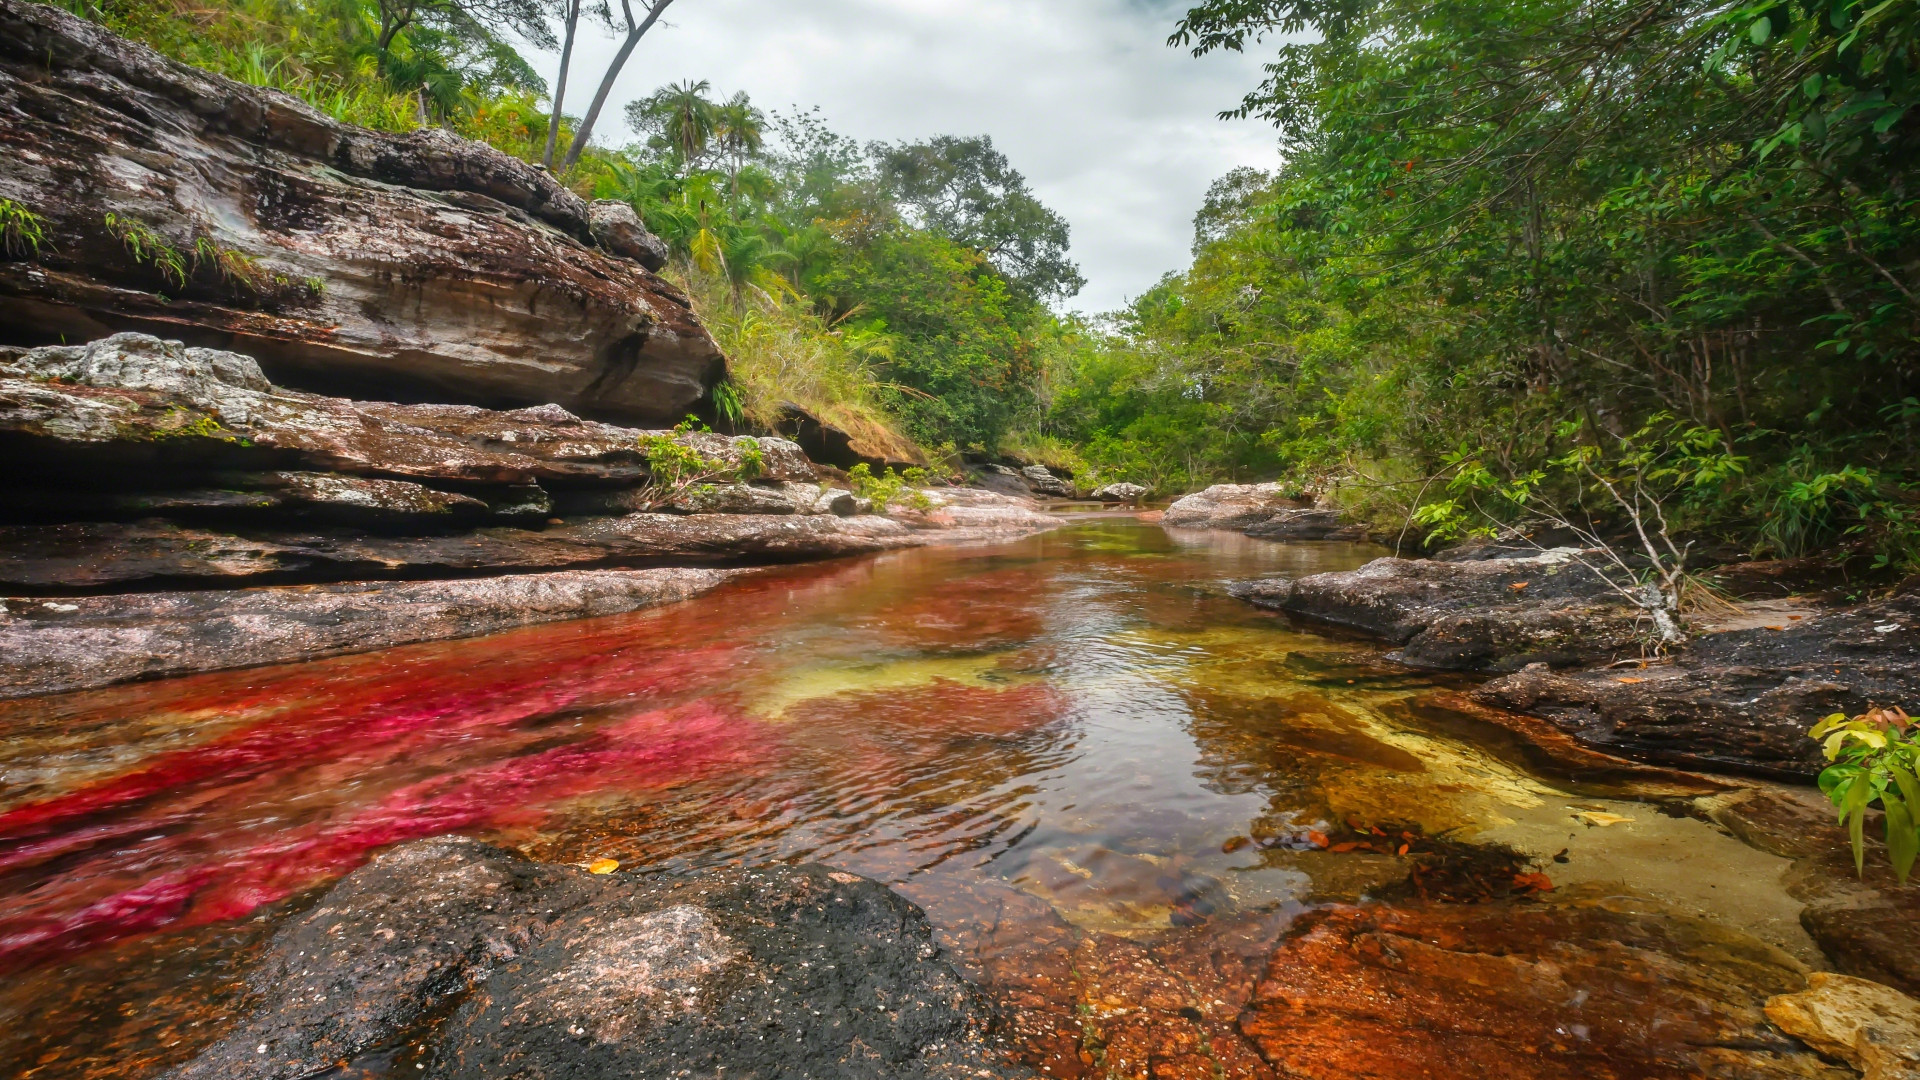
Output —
(1112, 128)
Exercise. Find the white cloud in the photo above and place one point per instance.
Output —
(1112, 128)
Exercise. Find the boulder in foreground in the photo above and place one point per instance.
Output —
(551, 972)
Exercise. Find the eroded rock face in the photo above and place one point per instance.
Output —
(619, 230)
(552, 972)
(1742, 699)
(1497, 615)
(1043, 482)
(419, 266)
(54, 646)
(1303, 524)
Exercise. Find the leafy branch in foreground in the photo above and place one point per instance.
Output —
(1876, 757)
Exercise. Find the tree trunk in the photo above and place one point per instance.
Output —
(560, 83)
(634, 34)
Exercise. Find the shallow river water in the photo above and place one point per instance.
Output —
(1073, 743)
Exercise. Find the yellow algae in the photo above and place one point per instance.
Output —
(982, 670)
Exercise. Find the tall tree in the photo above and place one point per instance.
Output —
(569, 12)
(633, 29)
(741, 132)
(967, 191)
(463, 19)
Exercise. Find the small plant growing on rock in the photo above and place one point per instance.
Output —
(22, 232)
(1876, 757)
(149, 248)
(676, 468)
(888, 488)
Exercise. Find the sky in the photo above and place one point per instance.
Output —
(1112, 128)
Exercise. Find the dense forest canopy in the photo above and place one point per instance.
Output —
(1502, 236)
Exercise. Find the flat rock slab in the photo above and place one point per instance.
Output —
(1228, 506)
(53, 646)
(1497, 615)
(1743, 699)
(548, 972)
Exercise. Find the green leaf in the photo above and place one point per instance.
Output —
(1887, 120)
(1903, 839)
(1760, 31)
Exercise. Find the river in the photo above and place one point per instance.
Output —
(1074, 743)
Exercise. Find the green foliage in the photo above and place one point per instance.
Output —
(890, 487)
(148, 248)
(1876, 758)
(22, 232)
(676, 467)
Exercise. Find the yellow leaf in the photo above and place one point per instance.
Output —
(1598, 817)
(603, 866)
(1629, 679)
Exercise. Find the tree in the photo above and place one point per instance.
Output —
(966, 190)
(463, 19)
(569, 12)
(740, 129)
(632, 29)
(680, 119)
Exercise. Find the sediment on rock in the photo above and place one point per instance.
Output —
(552, 972)
(84, 642)
(420, 266)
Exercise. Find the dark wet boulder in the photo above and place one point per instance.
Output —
(1041, 481)
(1495, 615)
(1300, 524)
(418, 266)
(1742, 699)
(553, 972)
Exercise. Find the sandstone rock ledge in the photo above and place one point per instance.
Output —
(1740, 700)
(549, 972)
(53, 646)
(186, 483)
(1259, 510)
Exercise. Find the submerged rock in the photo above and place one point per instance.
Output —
(1581, 990)
(1497, 615)
(1307, 525)
(552, 972)
(421, 266)
(54, 646)
(1742, 699)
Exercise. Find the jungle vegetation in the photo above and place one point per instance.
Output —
(1509, 244)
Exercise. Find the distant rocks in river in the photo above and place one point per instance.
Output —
(421, 267)
(1260, 510)
(1120, 493)
(550, 972)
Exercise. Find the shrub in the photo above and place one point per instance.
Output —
(1876, 757)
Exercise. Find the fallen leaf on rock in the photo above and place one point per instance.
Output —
(1532, 883)
(1629, 679)
(1600, 817)
(1518, 585)
(603, 866)
(1350, 845)
(1317, 839)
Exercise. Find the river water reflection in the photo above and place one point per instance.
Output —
(1078, 736)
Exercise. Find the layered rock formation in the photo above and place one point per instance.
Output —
(412, 267)
(1557, 632)
(549, 971)
(147, 467)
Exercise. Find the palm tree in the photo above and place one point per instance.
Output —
(741, 131)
